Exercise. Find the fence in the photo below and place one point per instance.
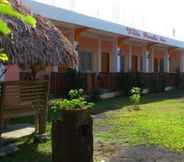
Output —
(156, 82)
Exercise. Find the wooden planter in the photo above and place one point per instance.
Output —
(72, 137)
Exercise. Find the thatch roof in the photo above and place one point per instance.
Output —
(44, 44)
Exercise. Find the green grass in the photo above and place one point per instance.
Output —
(160, 121)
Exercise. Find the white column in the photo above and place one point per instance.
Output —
(146, 61)
(130, 58)
(99, 57)
(151, 61)
(182, 62)
(166, 61)
(113, 61)
(118, 60)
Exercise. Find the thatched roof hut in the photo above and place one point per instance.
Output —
(44, 44)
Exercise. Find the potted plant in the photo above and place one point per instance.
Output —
(72, 133)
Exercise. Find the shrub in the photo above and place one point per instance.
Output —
(135, 97)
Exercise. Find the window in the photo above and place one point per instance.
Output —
(156, 65)
(85, 61)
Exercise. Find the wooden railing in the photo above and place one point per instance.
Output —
(61, 84)
(24, 98)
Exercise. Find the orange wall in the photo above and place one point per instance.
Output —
(87, 43)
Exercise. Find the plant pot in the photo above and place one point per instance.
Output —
(72, 137)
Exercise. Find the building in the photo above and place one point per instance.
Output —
(108, 47)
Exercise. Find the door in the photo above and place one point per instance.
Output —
(156, 65)
(105, 62)
(134, 63)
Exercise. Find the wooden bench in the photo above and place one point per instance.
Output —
(24, 98)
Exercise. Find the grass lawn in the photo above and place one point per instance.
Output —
(160, 121)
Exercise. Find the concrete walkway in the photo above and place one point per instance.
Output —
(145, 153)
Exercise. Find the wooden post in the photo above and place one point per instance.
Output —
(43, 113)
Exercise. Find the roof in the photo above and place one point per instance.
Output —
(63, 15)
(44, 44)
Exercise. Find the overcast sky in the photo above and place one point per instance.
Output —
(163, 17)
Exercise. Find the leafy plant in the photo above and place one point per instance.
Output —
(75, 94)
(4, 29)
(75, 101)
(3, 57)
(5, 2)
(8, 10)
(135, 97)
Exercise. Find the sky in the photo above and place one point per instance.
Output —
(163, 17)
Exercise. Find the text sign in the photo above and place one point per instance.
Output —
(145, 35)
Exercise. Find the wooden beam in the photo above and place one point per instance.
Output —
(172, 49)
(150, 45)
(121, 40)
(78, 32)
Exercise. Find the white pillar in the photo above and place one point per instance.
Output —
(166, 62)
(114, 56)
(151, 61)
(146, 61)
(118, 60)
(130, 58)
(99, 57)
(182, 62)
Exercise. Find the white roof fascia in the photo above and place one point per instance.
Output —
(67, 16)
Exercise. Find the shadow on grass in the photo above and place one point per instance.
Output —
(120, 102)
(27, 153)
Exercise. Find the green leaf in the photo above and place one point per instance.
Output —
(10, 11)
(3, 57)
(4, 29)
